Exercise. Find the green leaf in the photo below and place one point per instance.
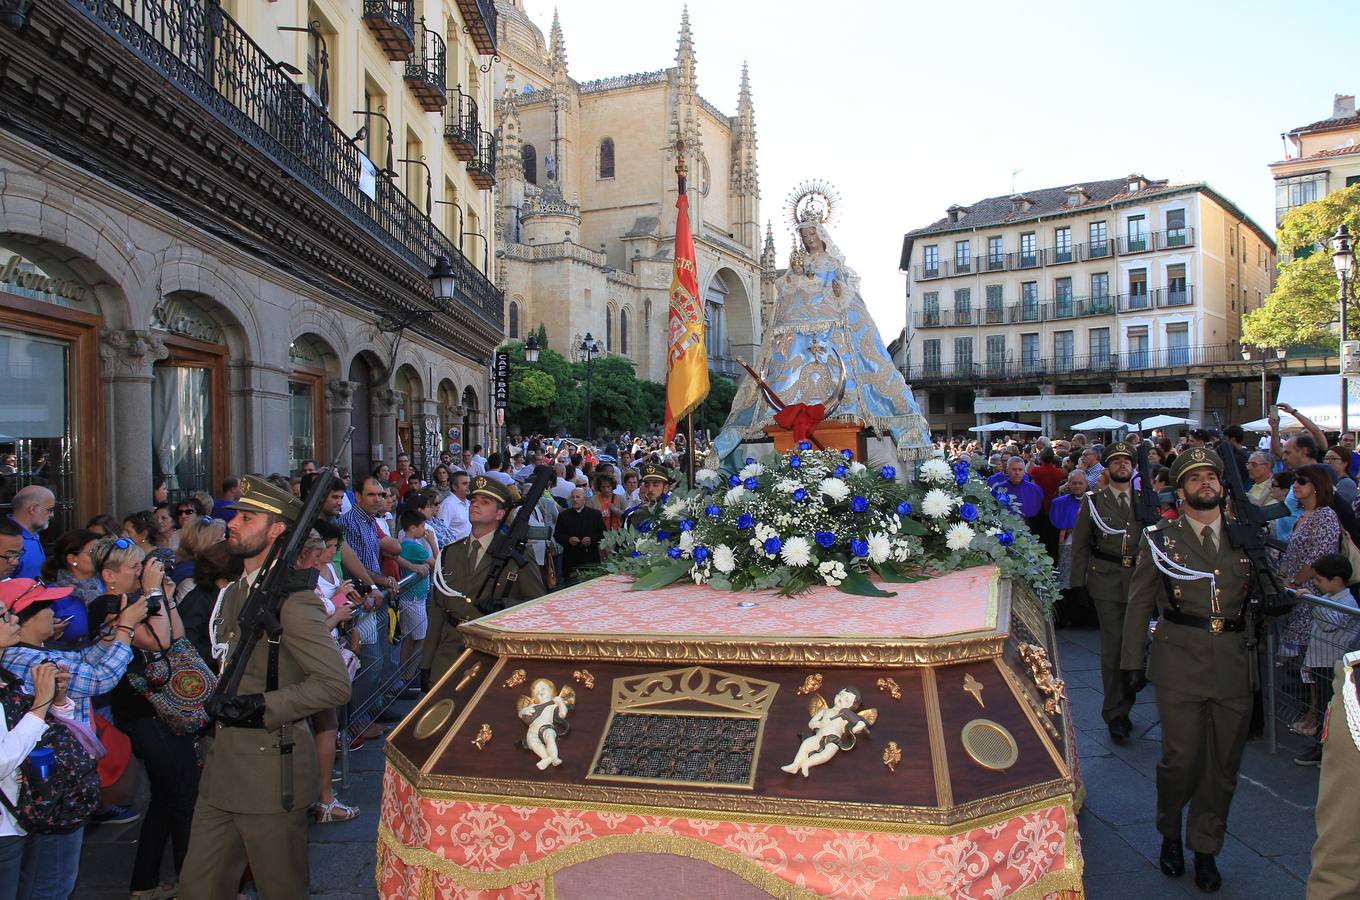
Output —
(664, 574)
(911, 526)
(892, 576)
(855, 583)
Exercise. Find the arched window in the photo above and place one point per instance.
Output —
(530, 157)
(623, 331)
(513, 318)
(608, 331)
(606, 157)
(647, 317)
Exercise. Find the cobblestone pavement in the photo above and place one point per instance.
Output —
(1266, 855)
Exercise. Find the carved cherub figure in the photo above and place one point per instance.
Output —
(545, 711)
(834, 728)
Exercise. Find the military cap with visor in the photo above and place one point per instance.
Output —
(486, 486)
(1116, 450)
(655, 472)
(1196, 458)
(259, 495)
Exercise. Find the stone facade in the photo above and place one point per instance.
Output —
(586, 196)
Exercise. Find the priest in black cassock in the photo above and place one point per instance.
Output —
(579, 531)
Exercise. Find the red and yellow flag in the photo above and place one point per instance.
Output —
(687, 362)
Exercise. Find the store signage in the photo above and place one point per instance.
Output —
(15, 273)
(502, 380)
(177, 317)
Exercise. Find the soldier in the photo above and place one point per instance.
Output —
(465, 566)
(655, 480)
(1104, 541)
(1196, 582)
(260, 775)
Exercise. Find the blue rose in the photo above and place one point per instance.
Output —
(686, 525)
(734, 481)
(849, 456)
(645, 527)
(712, 511)
(663, 536)
(888, 472)
(773, 544)
(1002, 497)
(825, 538)
(744, 521)
(840, 471)
(859, 548)
(750, 484)
(635, 554)
(700, 554)
(799, 495)
(1005, 538)
(750, 461)
(805, 446)
(795, 461)
(859, 504)
(904, 509)
(673, 553)
(961, 477)
(968, 512)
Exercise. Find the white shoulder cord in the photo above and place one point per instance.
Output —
(1172, 569)
(1348, 698)
(219, 648)
(1098, 521)
(437, 576)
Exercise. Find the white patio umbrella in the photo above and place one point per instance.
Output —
(1164, 421)
(1101, 423)
(1287, 423)
(1004, 426)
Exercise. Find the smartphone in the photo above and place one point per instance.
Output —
(64, 620)
(1274, 410)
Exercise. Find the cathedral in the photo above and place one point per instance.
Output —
(585, 212)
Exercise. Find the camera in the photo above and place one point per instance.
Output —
(153, 603)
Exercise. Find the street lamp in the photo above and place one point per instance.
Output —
(531, 349)
(1343, 258)
(1267, 354)
(589, 347)
(443, 282)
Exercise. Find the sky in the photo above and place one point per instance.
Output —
(909, 107)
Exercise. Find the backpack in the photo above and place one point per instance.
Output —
(60, 803)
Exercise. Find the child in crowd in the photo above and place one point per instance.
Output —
(414, 594)
(1332, 636)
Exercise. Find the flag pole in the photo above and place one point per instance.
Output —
(681, 187)
(687, 369)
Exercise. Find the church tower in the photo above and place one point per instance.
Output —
(684, 121)
(744, 190)
(509, 171)
(557, 160)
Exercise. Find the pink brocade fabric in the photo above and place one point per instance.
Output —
(951, 604)
(982, 863)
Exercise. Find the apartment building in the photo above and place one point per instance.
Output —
(1052, 306)
(1319, 158)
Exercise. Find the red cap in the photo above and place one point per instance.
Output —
(18, 594)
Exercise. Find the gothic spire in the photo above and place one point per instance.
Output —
(745, 177)
(768, 258)
(557, 46)
(684, 125)
(684, 56)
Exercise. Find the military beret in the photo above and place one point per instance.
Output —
(1197, 458)
(490, 487)
(655, 472)
(260, 495)
(1116, 450)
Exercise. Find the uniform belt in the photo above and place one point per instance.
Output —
(242, 727)
(1215, 624)
(1125, 561)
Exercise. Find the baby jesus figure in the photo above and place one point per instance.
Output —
(834, 729)
(545, 711)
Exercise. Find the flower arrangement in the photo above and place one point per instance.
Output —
(809, 517)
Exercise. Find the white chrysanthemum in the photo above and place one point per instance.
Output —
(751, 471)
(765, 532)
(856, 467)
(673, 509)
(959, 536)
(937, 503)
(724, 560)
(734, 495)
(879, 548)
(686, 541)
(836, 489)
(707, 476)
(832, 572)
(796, 551)
(788, 485)
(937, 471)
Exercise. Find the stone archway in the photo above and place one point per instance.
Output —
(370, 412)
(312, 370)
(731, 321)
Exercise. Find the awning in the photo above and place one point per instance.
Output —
(1319, 398)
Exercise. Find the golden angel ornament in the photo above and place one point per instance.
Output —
(834, 728)
(545, 711)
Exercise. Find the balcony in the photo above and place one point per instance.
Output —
(963, 266)
(994, 262)
(946, 318)
(1011, 367)
(1135, 301)
(243, 94)
(1059, 309)
(482, 169)
(480, 16)
(426, 73)
(393, 23)
(461, 125)
(1056, 256)
(1024, 259)
(1157, 240)
(926, 272)
(1096, 250)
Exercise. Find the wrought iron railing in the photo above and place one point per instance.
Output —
(1022, 366)
(461, 124)
(482, 168)
(394, 22)
(426, 72)
(208, 56)
(1032, 259)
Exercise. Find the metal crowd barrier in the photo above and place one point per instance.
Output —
(1297, 689)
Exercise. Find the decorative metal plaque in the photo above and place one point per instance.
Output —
(693, 726)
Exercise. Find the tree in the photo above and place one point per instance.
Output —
(545, 396)
(1303, 308)
(616, 394)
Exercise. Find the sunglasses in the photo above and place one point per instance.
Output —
(120, 544)
(1302, 480)
(186, 511)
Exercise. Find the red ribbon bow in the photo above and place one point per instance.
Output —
(801, 419)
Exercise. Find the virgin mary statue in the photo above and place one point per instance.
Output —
(823, 347)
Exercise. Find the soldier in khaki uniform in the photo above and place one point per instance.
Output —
(1196, 582)
(242, 815)
(655, 481)
(1336, 854)
(466, 566)
(1104, 546)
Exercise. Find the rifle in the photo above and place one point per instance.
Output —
(278, 578)
(508, 544)
(1146, 503)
